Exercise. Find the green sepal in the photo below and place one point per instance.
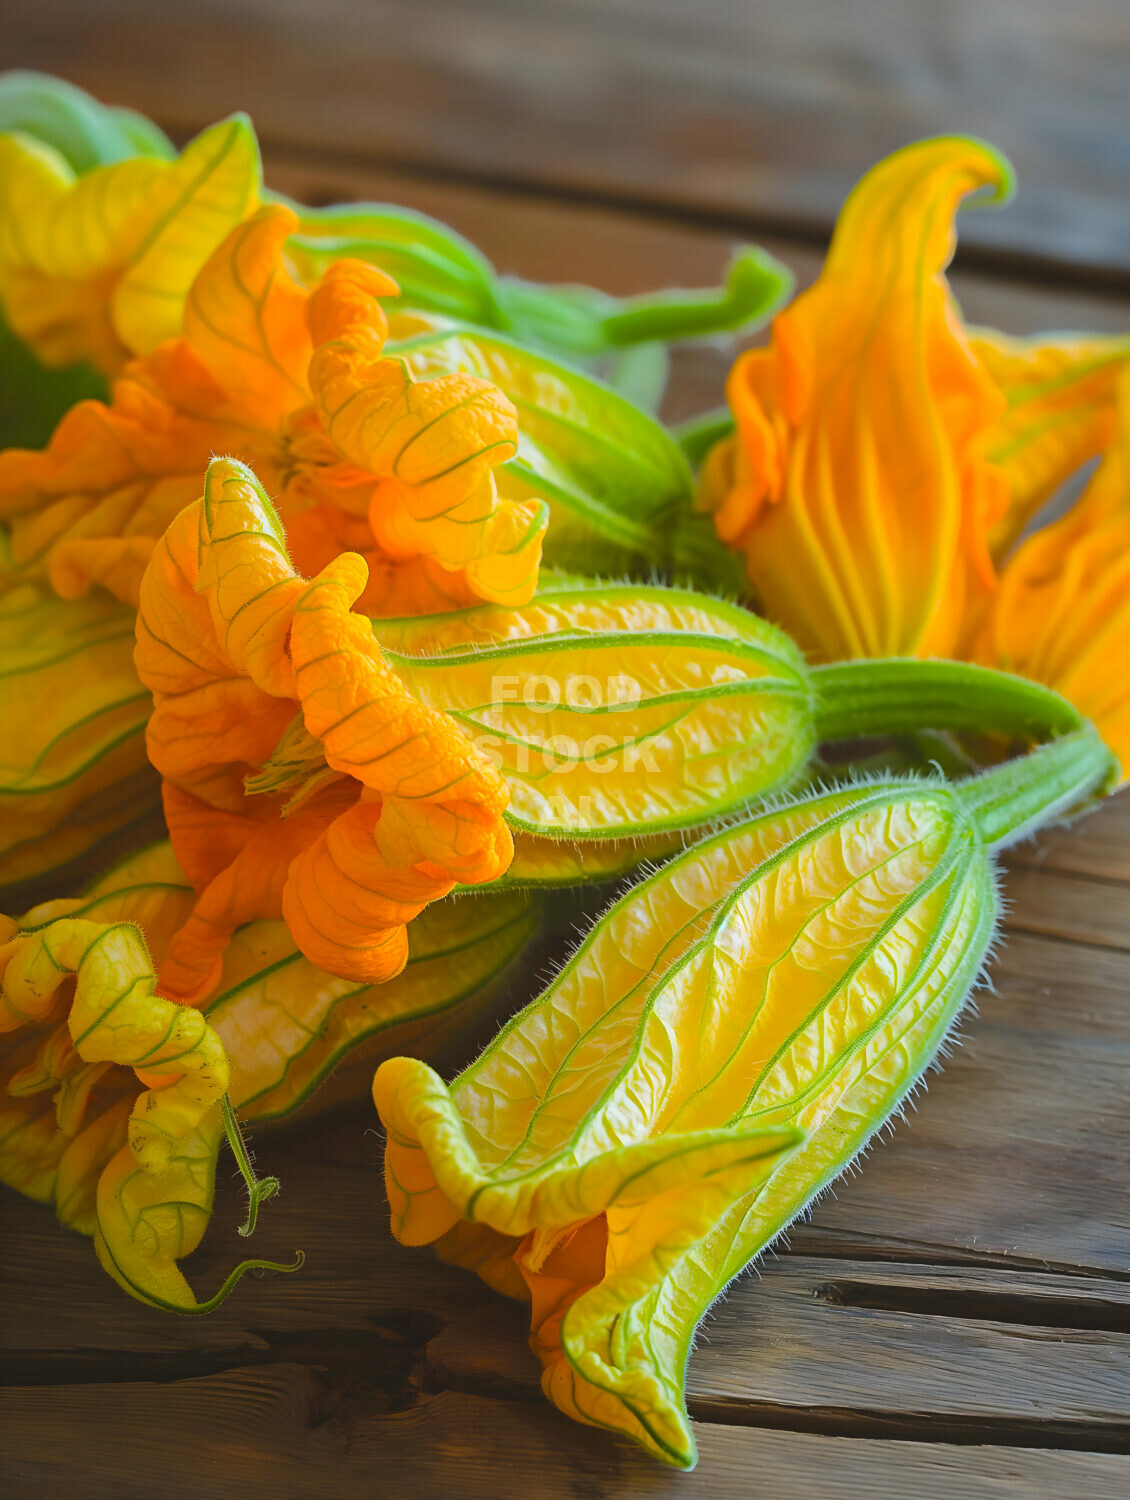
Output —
(436, 269)
(88, 134)
(612, 476)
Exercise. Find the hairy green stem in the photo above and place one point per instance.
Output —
(259, 1189)
(232, 1280)
(1014, 799)
(904, 694)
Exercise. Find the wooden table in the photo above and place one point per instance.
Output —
(953, 1321)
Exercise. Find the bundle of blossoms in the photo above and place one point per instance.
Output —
(354, 601)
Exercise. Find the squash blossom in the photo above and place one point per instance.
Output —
(372, 804)
(1061, 612)
(1060, 411)
(343, 772)
(73, 766)
(722, 1044)
(113, 1097)
(92, 1118)
(359, 453)
(883, 458)
(96, 268)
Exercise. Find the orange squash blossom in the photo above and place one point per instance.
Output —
(369, 804)
(359, 455)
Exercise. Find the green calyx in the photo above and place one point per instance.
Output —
(904, 694)
(1071, 762)
(88, 134)
(1013, 800)
(587, 323)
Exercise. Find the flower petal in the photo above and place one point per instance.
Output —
(1061, 614)
(723, 1042)
(73, 761)
(232, 641)
(617, 712)
(98, 268)
(1060, 413)
(286, 1024)
(859, 492)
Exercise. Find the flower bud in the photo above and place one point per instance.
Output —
(723, 1043)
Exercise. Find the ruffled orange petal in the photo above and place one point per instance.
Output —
(360, 454)
(379, 806)
(431, 445)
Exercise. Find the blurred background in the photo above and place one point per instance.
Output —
(631, 143)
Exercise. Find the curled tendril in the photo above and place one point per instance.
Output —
(232, 1280)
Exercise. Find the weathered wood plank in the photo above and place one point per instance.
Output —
(624, 253)
(1021, 1148)
(723, 110)
(309, 1433)
(965, 1349)
(1071, 907)
(1098, 845)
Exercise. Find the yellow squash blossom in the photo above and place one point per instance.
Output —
(1060, 411)
(82, 1130)
(343, 772)
(1061, 612)
(112, 1095)
(723, 1043)
(359, 454)
(97, 267)
(73, 766)
(882, 456)
(370, 804)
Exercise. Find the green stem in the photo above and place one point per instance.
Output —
(756, 285)
(1014, 799)
(259, 1189)
(857, 698)
(231, 1282)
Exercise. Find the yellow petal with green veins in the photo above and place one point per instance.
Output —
(544, 863)
(115, 1016)
(97, 267)
(74, 716)
(777, 989)
(212, 187)
(287, 1024)
(147, 1221)
(615, 713)
(83, 1162)
(581, 608)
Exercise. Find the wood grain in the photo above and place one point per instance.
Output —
(953, 1321)
(295, 1431)
(740, 114)
(618, 250)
